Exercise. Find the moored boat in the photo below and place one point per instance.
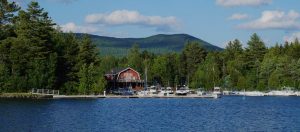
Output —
(254, 93)
(182, 91)
(217, 90)
(166, 91)
(286, 91)
(200, 92)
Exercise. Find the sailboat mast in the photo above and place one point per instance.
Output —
(214, 76)
(145, 83)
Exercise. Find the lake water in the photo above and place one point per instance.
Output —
(225, 114)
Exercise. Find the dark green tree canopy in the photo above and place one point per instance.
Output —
(7, 18)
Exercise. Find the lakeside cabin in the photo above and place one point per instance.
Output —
(119, 78)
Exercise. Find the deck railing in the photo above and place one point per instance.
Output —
(45, 91)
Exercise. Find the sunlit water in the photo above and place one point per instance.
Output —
(225, 114)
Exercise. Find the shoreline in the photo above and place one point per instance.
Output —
(124, 96)
(23, 96)
(48, 96)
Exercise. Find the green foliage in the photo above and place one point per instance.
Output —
(192, 56)
(158, 44)
(159, 69)
(90, 80)
(208, 74)
(134, 58)
(33, 54)
(7, 18)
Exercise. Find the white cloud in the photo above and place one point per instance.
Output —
(274, 20)
(238, 16)
(232, 3)
(72, 27)
(125, 17)
(292, 37)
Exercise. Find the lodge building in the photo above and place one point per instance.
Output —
(123, 78)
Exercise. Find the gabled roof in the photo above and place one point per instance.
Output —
(116, 71)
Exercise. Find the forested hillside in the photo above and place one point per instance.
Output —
(34, 54)
(158, 44)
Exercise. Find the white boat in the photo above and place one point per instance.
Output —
(227, 92)
(281, 93)
(298, 93)
(152, 90)
(182, 91)
(216, 95)
(254, 93)
(217, 90)
(286, 91)
(143, 93)
(166, 91)
(200, 92)
(169, 90)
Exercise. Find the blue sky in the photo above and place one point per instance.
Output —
(215, 21)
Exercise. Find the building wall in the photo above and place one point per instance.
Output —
(129, 75)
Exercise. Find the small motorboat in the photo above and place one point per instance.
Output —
(182, 91)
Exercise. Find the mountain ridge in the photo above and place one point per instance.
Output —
(159, 43)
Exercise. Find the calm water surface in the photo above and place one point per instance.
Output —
(225, 114)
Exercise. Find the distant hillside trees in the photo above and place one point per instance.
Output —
(255, 67)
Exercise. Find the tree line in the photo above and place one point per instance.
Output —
(34, 53)
(254, 67)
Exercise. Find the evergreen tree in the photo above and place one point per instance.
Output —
(255, 51)
(67, 67)
(88, 53)
(7, 18)
(88, 62)
(34, 29)
(193, 55)
(233, 50)
(254, 55)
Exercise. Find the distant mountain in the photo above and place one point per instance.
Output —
(160, 43)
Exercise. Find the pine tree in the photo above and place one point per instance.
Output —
(87, 52)
(67, 63)
(254, 55)
(7, 18)
(193, 55)
(88, 62)
(233, 50)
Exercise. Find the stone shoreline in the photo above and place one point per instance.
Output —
(23, 96)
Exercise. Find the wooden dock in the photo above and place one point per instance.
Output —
(122, 96)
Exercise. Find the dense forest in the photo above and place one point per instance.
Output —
(35, 53)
